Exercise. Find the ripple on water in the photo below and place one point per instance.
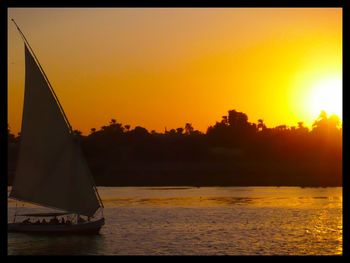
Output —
(261, 221)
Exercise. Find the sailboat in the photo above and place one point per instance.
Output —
(51, 170)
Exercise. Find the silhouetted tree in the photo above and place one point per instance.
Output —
(281, 128)
(172, 132)
(324, 125)
(237, 119)
(139, 131)
(179, 131)
(261, 125)
(232, 150)
(224, 120)
(188, 128)
(302, 128)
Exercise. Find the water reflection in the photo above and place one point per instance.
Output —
(194, 201)
(54, 245)
(181, 201)
(211, 220)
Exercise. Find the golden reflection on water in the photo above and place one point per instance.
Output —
(217, 196)
(232, 220)
(224, 196)
(222, 201)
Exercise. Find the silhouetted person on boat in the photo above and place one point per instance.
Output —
(26, 221)
(54, 221)
(81, 220)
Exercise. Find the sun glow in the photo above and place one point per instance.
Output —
(193, 65)
(326, 95)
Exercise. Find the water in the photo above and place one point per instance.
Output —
(203, 221)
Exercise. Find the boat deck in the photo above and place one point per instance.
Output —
(92, 227)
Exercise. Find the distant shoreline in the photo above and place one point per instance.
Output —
(233, 152)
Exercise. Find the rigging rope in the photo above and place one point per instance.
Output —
(43, 72)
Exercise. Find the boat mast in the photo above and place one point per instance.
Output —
(43, 72)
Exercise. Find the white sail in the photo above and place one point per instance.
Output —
(51, 170)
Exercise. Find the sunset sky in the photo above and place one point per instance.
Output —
(163, 67)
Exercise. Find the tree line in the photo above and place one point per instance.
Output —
(233, 151)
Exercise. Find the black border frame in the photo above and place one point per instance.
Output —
(5, 4)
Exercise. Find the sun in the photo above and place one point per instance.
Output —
(325, 95)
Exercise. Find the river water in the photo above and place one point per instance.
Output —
(202, 221)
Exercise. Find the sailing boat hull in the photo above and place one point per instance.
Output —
(92, 227)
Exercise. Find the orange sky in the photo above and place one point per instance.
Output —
(164, 67)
